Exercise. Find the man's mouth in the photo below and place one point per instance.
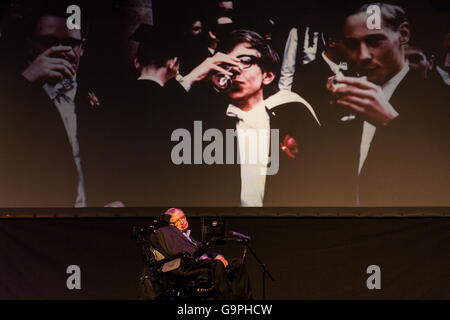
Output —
(236, 85)
(369, 69)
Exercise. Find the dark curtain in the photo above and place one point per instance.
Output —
(310, 258)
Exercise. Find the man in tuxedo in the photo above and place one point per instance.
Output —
(281, 178)
(149, 110)
(230, 276)
(310, 79)
(417, 60)
(195, 37)
(403, 150)
(156, 104)
(252, 67)
(441, 71)
(339, 133)
(40, 117)
(301, 46)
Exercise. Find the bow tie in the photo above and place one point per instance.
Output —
(338, 68)
(249, 118)
(66, 88)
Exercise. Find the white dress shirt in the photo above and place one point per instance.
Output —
(310, 51)
(65, 103)
(187, 234)
(254, 156)
(290, 56)
(336, 68)
(289, 61)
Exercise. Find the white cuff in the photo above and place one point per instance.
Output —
(181, 81)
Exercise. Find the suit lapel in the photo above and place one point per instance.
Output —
(185, 238)
(51, 147)
(272, 125)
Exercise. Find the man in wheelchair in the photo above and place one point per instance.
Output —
(225, 279)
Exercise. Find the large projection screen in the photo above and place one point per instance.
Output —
(224, 104)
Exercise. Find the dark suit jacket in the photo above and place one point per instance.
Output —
(408, 161)
(336, 144)
(145, 120)
(194, 53)
(310, 83)
(37, 167)
(221, 183)
(202, 184)
(172, 241)
(97, 139)
(407, 164)
(435, 78)
(295, 184)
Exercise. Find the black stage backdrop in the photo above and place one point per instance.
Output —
(310, 258)
(124, 134)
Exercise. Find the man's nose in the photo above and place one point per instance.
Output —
(235, 70)
(364, 52)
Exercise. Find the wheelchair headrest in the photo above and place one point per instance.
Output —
(164, 219)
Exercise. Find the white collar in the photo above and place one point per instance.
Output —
(54, 90)
(286, 96)
(255, 110)
(333, 66)
(255, 118)
(279, 98)
(389, 86)
(444, 74)
(187, 232)
(152, 78)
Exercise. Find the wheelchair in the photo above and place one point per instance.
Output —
(162, 278)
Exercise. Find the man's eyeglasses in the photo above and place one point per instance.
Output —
(223, 82)
(53, 42)
(179, 220)
(246, 61)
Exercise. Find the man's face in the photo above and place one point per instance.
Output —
(248, 80)
(337, 48)
(52, 31)
(195, 29)
(417, 60)
(376, 53)
(226, 5)
(178, 219)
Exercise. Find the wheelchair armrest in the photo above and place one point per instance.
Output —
(204, 247)
(181, 255)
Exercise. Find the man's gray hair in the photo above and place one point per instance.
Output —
(171, 211)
